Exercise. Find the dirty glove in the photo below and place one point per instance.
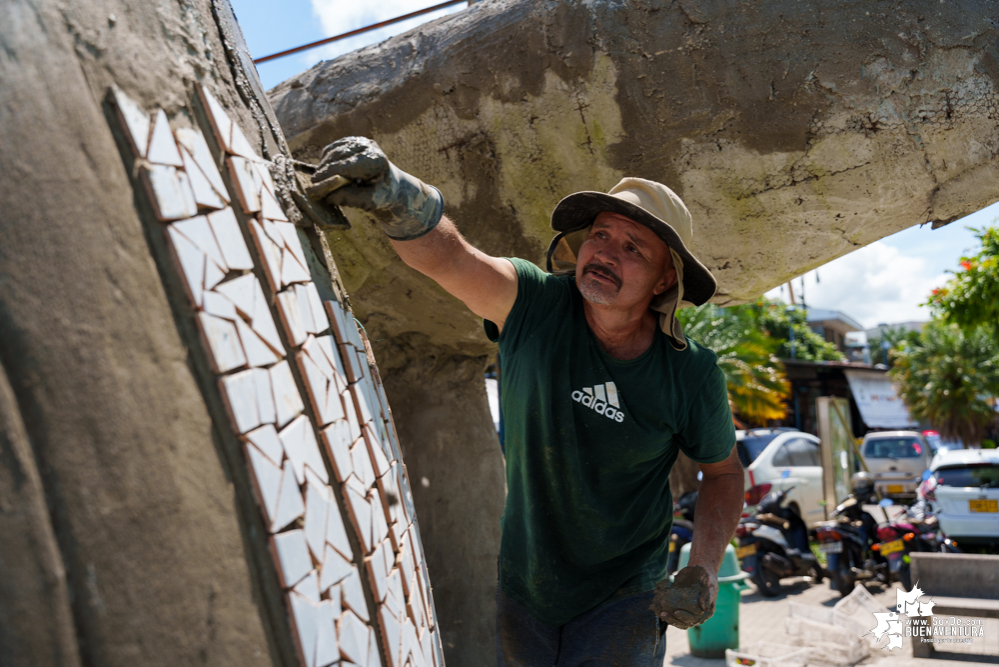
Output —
(405, 207)
(688, 600)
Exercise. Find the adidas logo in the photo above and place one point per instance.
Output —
(602, 399)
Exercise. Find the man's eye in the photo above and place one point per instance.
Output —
(632, 248)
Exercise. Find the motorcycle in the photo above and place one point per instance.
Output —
(773, 544)
(682, 531)
(915, 529)
(846, 541)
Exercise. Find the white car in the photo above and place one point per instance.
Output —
(778, 459)
(963, 489)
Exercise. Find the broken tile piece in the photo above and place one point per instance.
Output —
(360, 399)
(223, 343)
(239, 145)
(246, 182)
(353, 634)
(291, 270)
(352, 421)
(335, 568)
(315, 385)
(240, 395)
(265, 396)
(269, 207)
(270, 252)
(305, 626)
(291, 316)
(199, 232)
(169, 192)
(286, 397)
(379, 526)
(240, 292)
(352, 591)
(194, 142)
(336, 532)
(263, 168)
(338, 320)
(374, 565)
(134, 120)
(266, 478)
(290, 505)
(219, 306)
(230, 239)
(191, 263)
(391, 636)
(316, 507)
(374, 660)
(213, 273)
(162, 147)
(320, 321)
(359, 511)
(361, 461)
(378, 459)
(327, 650)
(336, 439)
(291, 553)
(309, 587)
(266, 440)
(257, 352)
(205, 195)
(219, 119)
(350, 362)
(299, 441)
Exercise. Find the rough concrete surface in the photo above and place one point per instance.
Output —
(126, 536)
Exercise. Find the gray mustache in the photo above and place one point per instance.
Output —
(607, 273)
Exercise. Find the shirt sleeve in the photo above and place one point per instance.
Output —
(709, 434)
(540, 296)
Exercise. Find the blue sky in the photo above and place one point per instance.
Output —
(883, 282)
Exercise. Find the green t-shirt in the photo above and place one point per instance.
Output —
(590, 441)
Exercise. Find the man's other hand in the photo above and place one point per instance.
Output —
(689, 599)
(405, 207)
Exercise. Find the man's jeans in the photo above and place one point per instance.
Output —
(620, 633)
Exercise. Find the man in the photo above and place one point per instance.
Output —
(601, 390)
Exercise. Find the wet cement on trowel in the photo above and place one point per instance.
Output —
(682, 598)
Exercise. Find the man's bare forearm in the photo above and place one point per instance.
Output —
(719, 505)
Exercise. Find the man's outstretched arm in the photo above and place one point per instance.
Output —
(411, 213)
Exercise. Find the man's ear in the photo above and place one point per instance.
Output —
(669, 279)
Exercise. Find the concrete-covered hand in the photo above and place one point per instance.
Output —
(689, 599)
(404, 206)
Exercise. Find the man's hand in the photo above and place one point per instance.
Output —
(405, 207)
(689, 599)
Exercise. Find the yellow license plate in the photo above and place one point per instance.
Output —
(984, 506)
(748, 550)
(892, 547)
(672, 546)
(896, 488)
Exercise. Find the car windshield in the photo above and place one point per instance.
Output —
(892, 448)
(972, 475)
(749, 448)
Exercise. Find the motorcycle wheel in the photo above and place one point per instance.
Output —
(818, 574)
(767, 582)
(844, 580)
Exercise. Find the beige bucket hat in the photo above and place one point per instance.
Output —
(658, 208)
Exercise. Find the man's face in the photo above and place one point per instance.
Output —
(622, 263)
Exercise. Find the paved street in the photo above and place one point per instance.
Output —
(762, 619)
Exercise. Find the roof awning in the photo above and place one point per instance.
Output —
(879, 405)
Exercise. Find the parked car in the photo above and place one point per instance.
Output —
(939, 445)
(783, 459)
(896, 460)
(963, 489)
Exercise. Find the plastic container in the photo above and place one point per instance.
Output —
(837, 636)
(713, 637)
(765, 654)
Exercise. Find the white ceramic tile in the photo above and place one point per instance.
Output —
(374, 659)
(315, 386)
(239, 145)
(328, 345)
(312, 347)
(204, 194)
(240, 292)
(374, 566)
(199, 232)
(265, 398)
(263, 322)
(257, 352)
(265, 439)
(169, 191)
(239, 391)
(378, 459)
(292, 241)
(215, 304)
(411, 649)
(270, 252)
(388, 487)
(361, 460)
(352, 421)
(217, 116)
(316, 507)
(309, 587)
(135, 121)
(305, 626)
(360, 398)
(197, 147)
(286, 397)
(360, 513)
(353, 634)
(350, 362)
(291, 552)
(299, 441)
(291, 316)
(162, 147)
(266, 479)
(230, 239)
(352, 590)
(291, 270)
(327, 651)
(379, 527)
(333, 410)
(320, 320)
(191, 263)
(305, 308)
(263, 168)
(338, 320)
(336, 440)
(269, 207)
(335, 568)
(394, 585)
(362, 363)
(213, 274)
(391, 636)
(336, 532)
(223, 343)
(290, 505)
(246, 182)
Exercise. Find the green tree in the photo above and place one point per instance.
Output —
(777, 320)
(946, 377)
(895, 336)
(757, 386)
(971, 298)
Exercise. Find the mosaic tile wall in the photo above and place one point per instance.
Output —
(323, 466)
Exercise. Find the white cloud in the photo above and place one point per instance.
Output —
(875, 284)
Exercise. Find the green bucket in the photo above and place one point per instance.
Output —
(721, 631)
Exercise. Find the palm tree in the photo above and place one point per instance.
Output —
(757, 386)
(946, 377)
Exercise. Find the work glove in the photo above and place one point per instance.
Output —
(405, 207)
(688, 600)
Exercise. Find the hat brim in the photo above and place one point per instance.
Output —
(578, 210)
